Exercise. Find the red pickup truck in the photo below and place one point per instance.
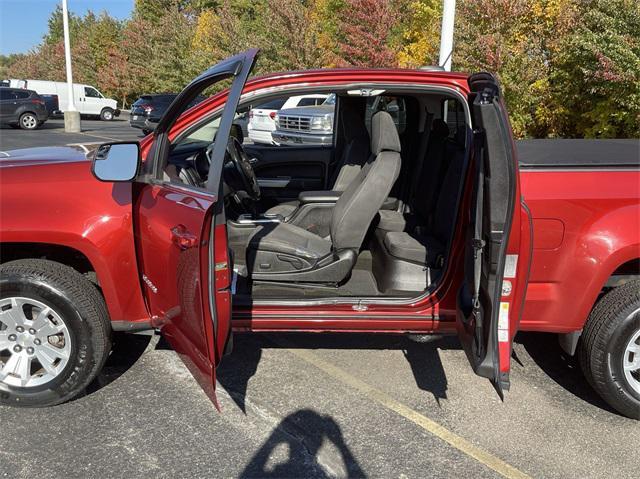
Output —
(418, 218)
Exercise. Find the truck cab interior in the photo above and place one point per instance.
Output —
(371, 215)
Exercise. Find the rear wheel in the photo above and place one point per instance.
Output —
(28, 121)
(106, 114)
(54, 333)
(610, 349)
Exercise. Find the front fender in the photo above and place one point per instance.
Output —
(64, 205)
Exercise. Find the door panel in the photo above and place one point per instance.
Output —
(181, 236)
(297, 169)
(488, 302)
(170, 225)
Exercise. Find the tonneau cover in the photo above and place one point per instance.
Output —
(578, 153)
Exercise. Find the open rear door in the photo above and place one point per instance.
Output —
(490, 298)
(181, 235)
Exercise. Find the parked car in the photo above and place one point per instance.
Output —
(22, 108)
(147, 110)
(305, 125)
(262, 118)
(88, 100)
(52, 104)
(168, 235)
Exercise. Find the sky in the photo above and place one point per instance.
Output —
(23, 23)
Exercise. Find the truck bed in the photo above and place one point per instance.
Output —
(578, 153)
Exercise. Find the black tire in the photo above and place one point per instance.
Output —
(84, 313)
(28, 121)
(106, 114)
(610, 327)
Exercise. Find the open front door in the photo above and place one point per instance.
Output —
(181, 235)
(497, 251)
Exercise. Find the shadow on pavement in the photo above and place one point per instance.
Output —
(125, 352)
(546, 352)
(237, 369)
(303, 434)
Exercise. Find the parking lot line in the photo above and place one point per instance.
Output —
(451, 438)
(91, 134)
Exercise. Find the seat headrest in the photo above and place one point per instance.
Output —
(384, 135)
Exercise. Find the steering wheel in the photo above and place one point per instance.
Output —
(236, 155)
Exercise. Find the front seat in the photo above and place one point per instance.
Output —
(285, 252)
(354, 155)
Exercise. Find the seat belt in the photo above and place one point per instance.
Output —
(422, 152)
(477, 243)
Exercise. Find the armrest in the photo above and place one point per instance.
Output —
(307, 197)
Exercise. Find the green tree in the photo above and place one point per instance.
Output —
(595, 77)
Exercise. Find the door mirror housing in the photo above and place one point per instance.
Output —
(116, 161)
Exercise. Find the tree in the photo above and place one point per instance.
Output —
(595, 77)
(516, 40)
(420, 33)
(367, 29)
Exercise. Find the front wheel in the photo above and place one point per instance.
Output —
(28, 121)
(610, 349)
(106, 114)
(54, 333)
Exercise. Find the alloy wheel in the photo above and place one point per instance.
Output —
(35, 343)
(29, 122)
(631, 359)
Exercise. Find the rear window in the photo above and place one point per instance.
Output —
(453, 113)
(273, 104)
(310, 101)
(142, 99)
(394, 105)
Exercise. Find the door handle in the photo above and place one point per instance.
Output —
(181, 237)
(253, 161)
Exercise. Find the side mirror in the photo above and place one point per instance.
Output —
(116, 161)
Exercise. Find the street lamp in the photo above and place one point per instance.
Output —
(71, 115)
(446, 34)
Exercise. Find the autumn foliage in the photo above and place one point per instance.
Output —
(569, 68)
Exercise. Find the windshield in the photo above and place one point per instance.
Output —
(331, 100)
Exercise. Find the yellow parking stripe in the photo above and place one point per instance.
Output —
(460, 443)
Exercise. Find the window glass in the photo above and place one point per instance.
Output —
(206, 132)
(298, 120)
(394, 105)
(5, 94)
(91, 92)
(21, 95)
(453, 113)
(313, 101)
(275, 104)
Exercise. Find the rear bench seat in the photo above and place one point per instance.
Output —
(418, 238)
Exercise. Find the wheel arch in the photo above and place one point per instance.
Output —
(79, 260)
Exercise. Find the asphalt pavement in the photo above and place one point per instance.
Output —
(325, 405)
(322, 405)
(52, 133)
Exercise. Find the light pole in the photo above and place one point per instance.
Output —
(71, 115)
(446, 33)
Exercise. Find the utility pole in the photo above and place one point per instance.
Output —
(446, 33)
(71, 115)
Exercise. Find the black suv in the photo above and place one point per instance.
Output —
(147, 110)
(22, 108)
